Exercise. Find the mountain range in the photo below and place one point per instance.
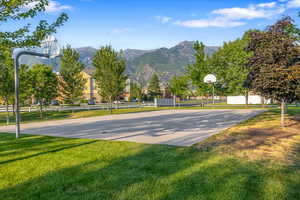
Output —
(141, 64)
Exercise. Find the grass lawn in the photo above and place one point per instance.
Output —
(55, 115)
(254, 160)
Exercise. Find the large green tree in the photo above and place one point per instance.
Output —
(110, 74)
(19, 12)
(273, 70)
(229, 64)
(43, 85)
(6, 79)
(179, 86)
(154, 87)
(197, 71)
(72, 82)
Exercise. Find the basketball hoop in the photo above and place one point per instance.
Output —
(210, 78)
(50, 46)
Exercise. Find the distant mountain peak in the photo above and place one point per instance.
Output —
(141, 64)
(186, 43)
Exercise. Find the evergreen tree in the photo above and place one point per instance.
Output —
(109, 75)
(197, 71)
(154, 87)
(43, 85)
(72, 82)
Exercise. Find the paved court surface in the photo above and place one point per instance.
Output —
(173, 127)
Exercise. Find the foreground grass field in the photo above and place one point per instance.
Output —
(28, 117)
(255, 160)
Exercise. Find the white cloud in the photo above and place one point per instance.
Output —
(263, 10)
(53, 6)
(203, 23)
(163, 19)
(293, 4)
(237, 16)
(267, 5)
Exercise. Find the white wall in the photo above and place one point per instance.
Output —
(163, 102)
(252, 99)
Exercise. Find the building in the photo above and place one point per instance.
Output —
(90, 90)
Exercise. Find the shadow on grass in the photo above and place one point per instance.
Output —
(154, 172)
(55, 149)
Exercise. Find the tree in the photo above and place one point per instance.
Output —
(25, 94)
(197, 71)
(273, 70)
(22, 36)
(229, 64)
(26, 36)
(6, 80)
(109, 74)
(179, 86)
(43, 84)
(136, 91)
(154, 87)
(72, 82)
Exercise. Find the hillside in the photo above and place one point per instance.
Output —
(141, 64)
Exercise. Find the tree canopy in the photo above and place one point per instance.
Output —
(72, 82)
(109, 75)
(154, 87)
(179, 86)
(229, 64)
(43, 84)
(273, 70)
(197, 71)
(25, 35)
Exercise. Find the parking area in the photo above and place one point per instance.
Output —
(172, 127)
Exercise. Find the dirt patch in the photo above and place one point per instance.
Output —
(259, 141)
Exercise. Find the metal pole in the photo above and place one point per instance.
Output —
(213, 93)
(17, 103)
(17, 85)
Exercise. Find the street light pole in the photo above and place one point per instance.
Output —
(17, 56)
(213, 93)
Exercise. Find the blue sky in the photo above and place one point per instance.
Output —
(148, 24)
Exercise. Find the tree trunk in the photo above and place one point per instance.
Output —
(247, 98)
(7, 112)
(110, 105)
(174, 100)
(41, 110)
(282, 113)
(13, 107)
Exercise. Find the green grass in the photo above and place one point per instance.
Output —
(38, 167)
(27, 117)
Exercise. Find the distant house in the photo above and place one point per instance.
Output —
(90, 90)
